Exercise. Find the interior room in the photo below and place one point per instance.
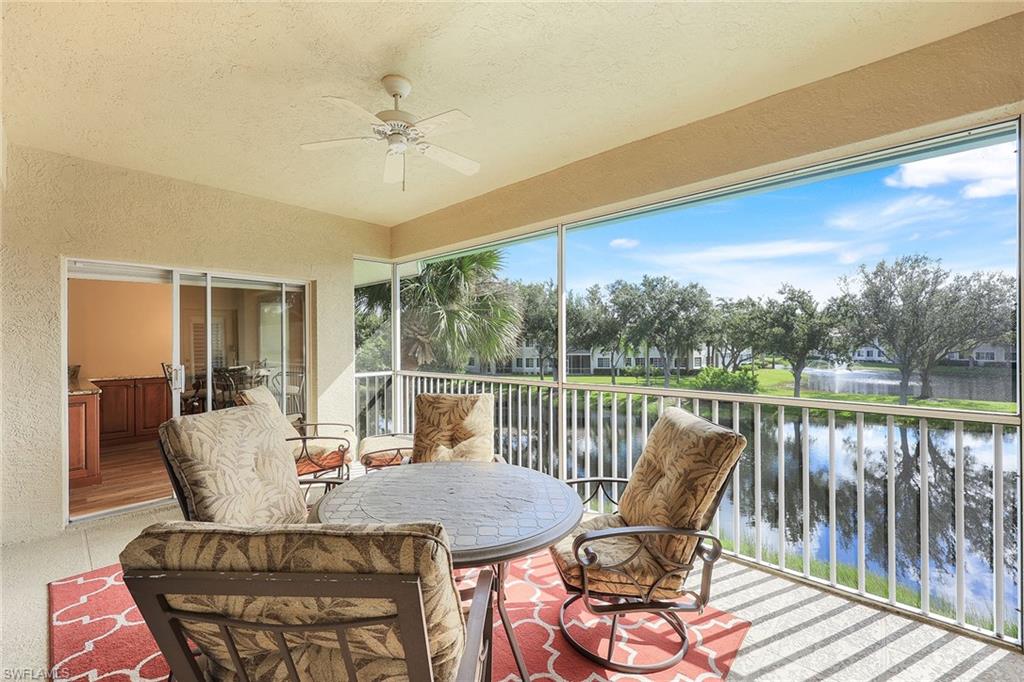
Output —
(119, 337)
(511, 341)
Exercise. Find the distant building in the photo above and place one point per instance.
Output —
(582, 362)
(985, 354)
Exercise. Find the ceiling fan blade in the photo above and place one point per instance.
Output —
(450, 159)
(341, 141)
(352, 108)
(394, 168)
(448, 122)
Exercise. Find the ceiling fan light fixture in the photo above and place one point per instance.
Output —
(402, 131)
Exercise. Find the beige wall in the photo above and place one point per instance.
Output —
(118, 328)
(57, 206)
(970, 78)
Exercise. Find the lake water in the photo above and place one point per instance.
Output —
(978, 507)
(983, 385)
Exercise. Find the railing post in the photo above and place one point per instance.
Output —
(397, 406)
(922, 456)
(563, 356)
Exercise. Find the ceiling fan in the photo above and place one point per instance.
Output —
(402, 132)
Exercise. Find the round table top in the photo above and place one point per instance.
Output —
(492, 511)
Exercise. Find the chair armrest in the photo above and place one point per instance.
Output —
(343, 442)
(601, 482)
(597, 479)
(316, 426)
(586, 557)
(329, 482)
(331, 438)
(478, 630)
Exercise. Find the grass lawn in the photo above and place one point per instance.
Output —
(779, 382)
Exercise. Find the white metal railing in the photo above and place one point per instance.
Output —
(374, 403)
(842, 498)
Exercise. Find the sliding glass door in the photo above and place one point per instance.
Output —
(236, 334)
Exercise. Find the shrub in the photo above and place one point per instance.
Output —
(744, 380)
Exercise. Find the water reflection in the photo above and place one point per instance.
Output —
(978, 385)
(978, 495)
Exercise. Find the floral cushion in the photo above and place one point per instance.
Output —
(635, 578)
(678, 478)
(261, 395)
(233, 467)
(419, 549)
(454, 427)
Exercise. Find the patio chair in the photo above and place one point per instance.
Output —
(452, 427)
(311, 459)
(637, 559)
(326, 603)
(232, 467)
(385, 450)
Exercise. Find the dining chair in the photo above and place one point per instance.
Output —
(232, 467)
(192, 399)
(307, 440)
(636, 560)
(309, 602)
(454, 427)
(294, 389)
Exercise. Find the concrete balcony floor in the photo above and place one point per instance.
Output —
(798, 632)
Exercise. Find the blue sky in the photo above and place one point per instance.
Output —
(960, 207)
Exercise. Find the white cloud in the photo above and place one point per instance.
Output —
(623, 243)
(892, 215)
(990, 187)
(757, 268)
(750, 251)
(989, 171)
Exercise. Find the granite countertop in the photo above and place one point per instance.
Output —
(127, 376)
(83, 387)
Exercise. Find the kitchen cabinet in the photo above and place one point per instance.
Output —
(84, 439)
(132, 408)
(152, 406)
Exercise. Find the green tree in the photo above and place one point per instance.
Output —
(609, 315)
(797, 329)
(734, 331)
(673, 318)
(917, 312)
(539, 304)
(454, 309)
(373, 327)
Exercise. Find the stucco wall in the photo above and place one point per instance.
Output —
(970, 78)
(57, 206)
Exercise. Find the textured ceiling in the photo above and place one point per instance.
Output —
(222, 94)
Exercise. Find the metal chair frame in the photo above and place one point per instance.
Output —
(708, 550)
(150, 589)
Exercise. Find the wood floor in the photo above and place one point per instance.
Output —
(132, 474)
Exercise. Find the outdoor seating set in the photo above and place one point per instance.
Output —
(258, 584)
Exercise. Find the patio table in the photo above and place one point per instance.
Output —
(493, 513)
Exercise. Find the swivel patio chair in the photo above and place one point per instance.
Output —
(317, 453)
(232, 467)
(636, 561)
(328, 603)
(452, 427)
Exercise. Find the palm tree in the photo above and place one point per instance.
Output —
(454, 309)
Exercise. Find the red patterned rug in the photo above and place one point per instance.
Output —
(97, 633)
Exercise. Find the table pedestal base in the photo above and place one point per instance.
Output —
(513, 643)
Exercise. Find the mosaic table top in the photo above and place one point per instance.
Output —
(492, 511)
